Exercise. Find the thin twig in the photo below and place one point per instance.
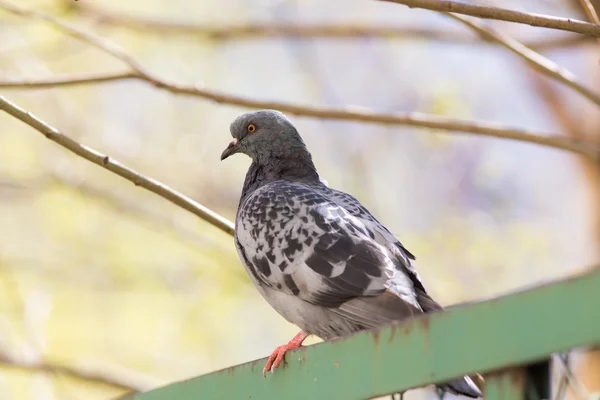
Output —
(551, 97)
(534, 59)
(68, 80)
(572, 380)
(129, 207)
(411, 119)
(116, 167)
(96, 41)
(502, 14)
(122, 205)
(269, 29)
(347, 114)
(590, 11)
(124, 380)
(116, 201)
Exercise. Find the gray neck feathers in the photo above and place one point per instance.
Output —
(295, 166)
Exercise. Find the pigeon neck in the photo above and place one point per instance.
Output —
(294, 170)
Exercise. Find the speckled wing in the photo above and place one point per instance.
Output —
(385, 238)
(292, 238)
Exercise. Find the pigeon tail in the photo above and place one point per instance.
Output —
(463, 386)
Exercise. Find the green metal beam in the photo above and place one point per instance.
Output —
(516, 329)
(508, 384)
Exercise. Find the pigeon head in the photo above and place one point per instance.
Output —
(265, 136)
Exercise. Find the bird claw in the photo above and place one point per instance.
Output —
(277, 355)
(275, 359)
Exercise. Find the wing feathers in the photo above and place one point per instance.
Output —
(375, 311)
(302, 241)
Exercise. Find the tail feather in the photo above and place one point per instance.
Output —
(463, 386)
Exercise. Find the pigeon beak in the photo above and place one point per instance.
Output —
(231, 149)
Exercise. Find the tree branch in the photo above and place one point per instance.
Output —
(252, 30)
(535, 60)
(96, 41)
(128, 207)
(501, 14)
(122, 379)
(590, 11)
(116, 167)
(68, 80)
(552, 99)
(348, 114)
(410, 119)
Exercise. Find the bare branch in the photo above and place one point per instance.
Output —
(502, 14)
(121, 379)
(347, 114)
(96, 41)
(117, 168)
(535, 60)
(117, 201)
(268, 29)
(590, 11)
(557, 108)
(68, 80)
(129, 207)
(410, 119)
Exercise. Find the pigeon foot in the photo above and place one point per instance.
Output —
(277, 355)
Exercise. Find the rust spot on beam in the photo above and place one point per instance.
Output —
(392, 333)
(302, 358)
(375, 336)
(425, 323)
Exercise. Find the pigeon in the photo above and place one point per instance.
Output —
(316, 254)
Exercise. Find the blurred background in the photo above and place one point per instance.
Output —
(115, 282)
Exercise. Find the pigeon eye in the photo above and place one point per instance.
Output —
(251, 128)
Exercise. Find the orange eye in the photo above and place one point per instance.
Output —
(251, 128)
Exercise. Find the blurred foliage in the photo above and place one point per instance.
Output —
(95, 272)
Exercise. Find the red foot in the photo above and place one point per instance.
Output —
(276, 356)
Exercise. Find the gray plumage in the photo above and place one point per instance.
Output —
(316, 254)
